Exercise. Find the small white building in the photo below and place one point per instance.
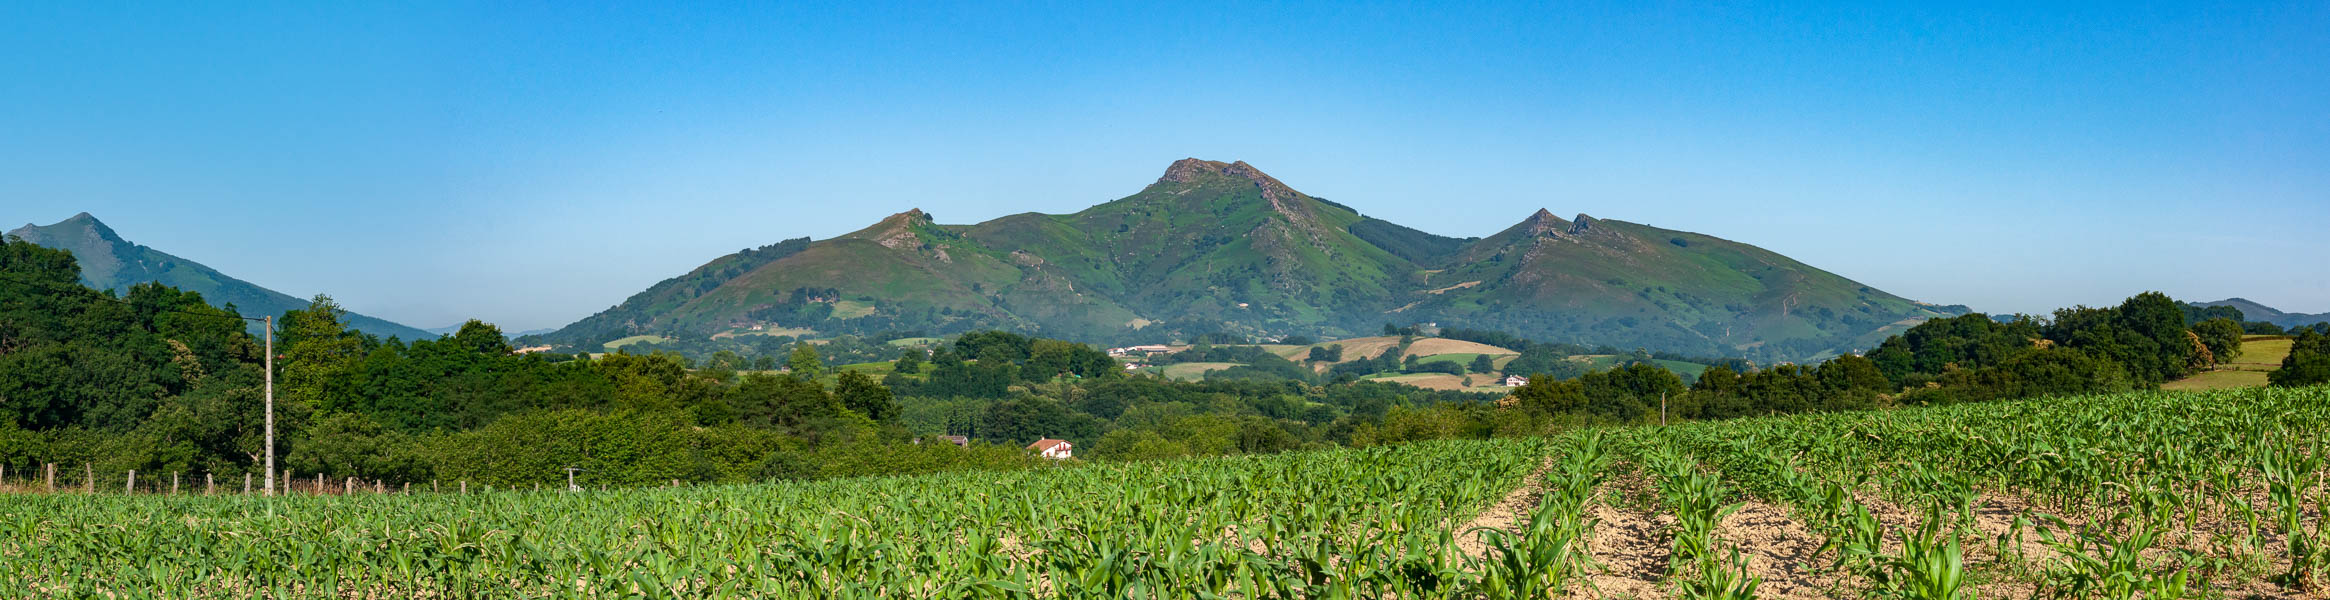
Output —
(1143, 350)
(1053, 449)
(1516, 381)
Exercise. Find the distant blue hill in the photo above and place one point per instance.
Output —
(2258, 312)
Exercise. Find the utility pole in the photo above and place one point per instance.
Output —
(270, 404)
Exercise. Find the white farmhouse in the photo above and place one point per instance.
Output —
(1053, 449)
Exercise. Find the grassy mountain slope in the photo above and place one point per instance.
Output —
(1217, 243)
(1624, 284)
(110, 262)
(1214, 247)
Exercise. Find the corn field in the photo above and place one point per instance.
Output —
(2152, 495)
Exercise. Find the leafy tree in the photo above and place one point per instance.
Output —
(2307, 364)
(320, 355)
(784, 401)
(1482, 363)
(2262, 328)
(479, 337)
(2195, 314)
(909, 361)
(804, 362)
(861, 394)
(2222, 336)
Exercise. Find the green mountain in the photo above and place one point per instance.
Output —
(1223, 248)
(109, 262)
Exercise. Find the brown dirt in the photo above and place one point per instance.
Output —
(1780, 550)
(1506, 515)
(1629, 547)
(2212, 535)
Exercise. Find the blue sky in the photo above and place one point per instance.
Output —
(532, 163)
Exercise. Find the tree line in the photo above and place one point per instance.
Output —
(157, 380)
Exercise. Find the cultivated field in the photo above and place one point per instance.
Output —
(1192, 371)
(2153, 495)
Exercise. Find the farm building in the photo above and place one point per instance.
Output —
(1516, 381)
(1053, 449)
(1142, 350)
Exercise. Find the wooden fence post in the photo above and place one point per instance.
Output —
(408, 488)
(52, 485)
(132, 485)
(287, 482)
(209, 483)
(246, 483)
(348, 487)
(465, 487)
(174, 483)
(88, 478)
(319, 482)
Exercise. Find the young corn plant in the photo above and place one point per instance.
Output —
(1725, 578)
(2098, 564)
(1551, 552)
(1932, 566)
(2292, 477)
(1699, 502)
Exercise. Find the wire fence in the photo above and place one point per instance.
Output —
(84, 479)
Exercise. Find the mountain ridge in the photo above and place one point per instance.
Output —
(109, 261)
(2254, 311)
(1222, 248)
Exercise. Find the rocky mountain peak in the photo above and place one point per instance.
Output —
(1543, 223)
(895, 231)
(1192, 170)
(1582, 224)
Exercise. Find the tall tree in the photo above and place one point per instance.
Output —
(804, 361)
(2222, 336)
(861, 394)
(320, 355)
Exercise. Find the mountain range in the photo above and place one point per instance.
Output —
(1215, 250)
(2258, 312)
(112, 263)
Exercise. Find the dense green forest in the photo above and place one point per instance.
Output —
(157, 380)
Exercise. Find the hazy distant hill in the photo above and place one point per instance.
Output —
(1224, 247)
(2258, 312)
(109, 262)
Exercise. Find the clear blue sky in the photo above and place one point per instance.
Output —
(532, 163)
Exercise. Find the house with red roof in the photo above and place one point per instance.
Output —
(1053, 449)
